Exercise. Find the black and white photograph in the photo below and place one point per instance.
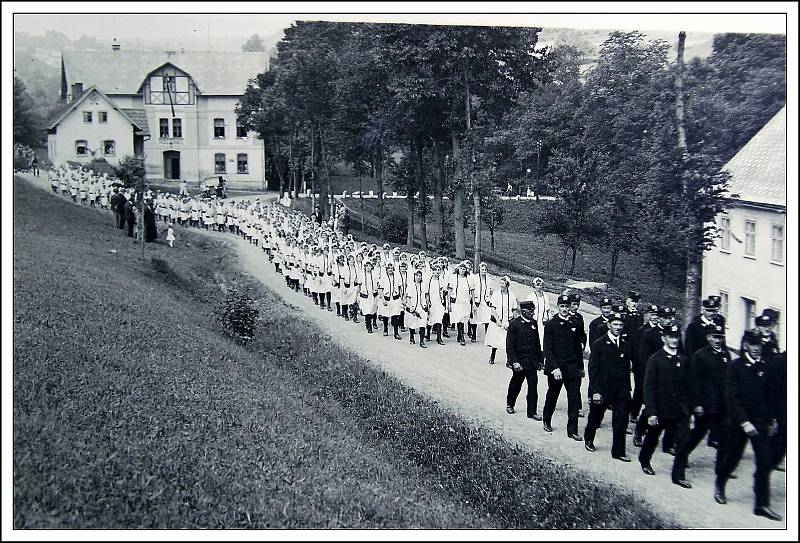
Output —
(391, 270)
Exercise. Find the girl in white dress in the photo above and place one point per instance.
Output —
(481, 314)
(352, 278)
(503, 304)
(390, 305)
(460, 297)
(541, 312)
(416, 310)
(434, 293)
(368, 296)
(170, 235)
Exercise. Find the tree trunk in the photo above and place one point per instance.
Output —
(423, 196)
(327, 172)
(614, 261)
(574, 254)
(410, 218)
(476, 257)
(313, 164)
(694, 269)
(361, 200)
(438, 211)
(491, 234)
(458, 208)
(379, 180)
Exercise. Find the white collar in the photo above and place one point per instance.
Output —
(614, 339)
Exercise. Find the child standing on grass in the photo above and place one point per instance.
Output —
(170, 235)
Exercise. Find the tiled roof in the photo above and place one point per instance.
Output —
(139, 117)
(758, 170)
(68, 108)
(122, 72)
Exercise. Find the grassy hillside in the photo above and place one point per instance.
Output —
(132, 410)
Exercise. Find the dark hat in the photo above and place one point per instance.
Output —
(652, 308)
(716, 298)
(710, 304)
(563, 300)
(715, 330)
(527, 305)
(771, 313)
(635, 296)
(619, 308)
(606, 301)
(617, 316)
(764, 320)
(574, 297)
(752, 336)
(673, 330)
(665, 312)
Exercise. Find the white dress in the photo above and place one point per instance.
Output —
(390, 296)
(460, 307)
(416, 315)
(541, 312)
(503, 304)
(481, 313)
(367, 293)
(436, 309)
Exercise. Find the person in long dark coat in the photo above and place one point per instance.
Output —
(524, 355)
(130, 218)
(150, 230)
(118, 206)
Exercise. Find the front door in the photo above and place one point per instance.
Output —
(172, 165)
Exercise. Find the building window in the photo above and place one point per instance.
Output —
(177, 129)
(241, 163)
(219, 163)
(723, 303)
(750, 238)
(163, 128)
(725, 233)
(81, 148)
(108, 147)
(777, 324)
(102, 116)
(241, 131)
(219, 128)
(749, 313)
(87, 116)
(776, 253)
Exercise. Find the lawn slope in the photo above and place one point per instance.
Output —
(131, 409)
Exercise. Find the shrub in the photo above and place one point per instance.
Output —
(131, 170)
(238, 315)
(100, 166)
(395, 229)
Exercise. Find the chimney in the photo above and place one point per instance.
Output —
(115, 45)
(77, 90)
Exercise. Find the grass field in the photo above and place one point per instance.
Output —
(133, 410)
(519, 249)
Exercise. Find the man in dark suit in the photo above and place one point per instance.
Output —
(609, 386)
(666, 401)
(707, 387)
(563, 352)
(747, 389)
(575, 315)
(637, 365)
(633, 319)
(694, 337)
(117, 202)
(599, 326)
(524, 357)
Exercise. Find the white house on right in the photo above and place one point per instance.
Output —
(747, 266)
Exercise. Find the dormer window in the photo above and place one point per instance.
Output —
(168, 85)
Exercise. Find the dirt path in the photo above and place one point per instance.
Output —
(459, 379)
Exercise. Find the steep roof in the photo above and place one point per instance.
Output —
(139, 118)
(69, 108)
(122, 72)
(759, 169)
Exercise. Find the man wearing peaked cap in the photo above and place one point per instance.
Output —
(609, 386)
(599, 326)
(665, 397)
(695, 333)
(524, 357)
(752, 416)
(577, 318)
(707, 399)
(633, 318)
(563, 353)
(637, 365)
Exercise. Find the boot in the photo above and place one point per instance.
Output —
(439, 334)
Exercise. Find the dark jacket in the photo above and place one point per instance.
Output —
(610, 368)
(635, 341)
(633, 321)
(707, 379)
(665, 386)
(694, 337)
(597, 328)
(523, 345)
(562, 347)
(747, 392)
(581, 326)
(777, 386)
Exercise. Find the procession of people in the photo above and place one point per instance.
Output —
(661, 382)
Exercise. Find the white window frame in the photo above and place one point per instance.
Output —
(100, 117)
(773, 239)
(246, 162)
(725, 234)
(746, 235)
(214, 128)
(172, 128)
(238, 126)
(750, 317)
(88, 115)
(224, 163)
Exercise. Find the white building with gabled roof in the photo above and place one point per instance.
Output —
(176, 108)
(747, 266)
